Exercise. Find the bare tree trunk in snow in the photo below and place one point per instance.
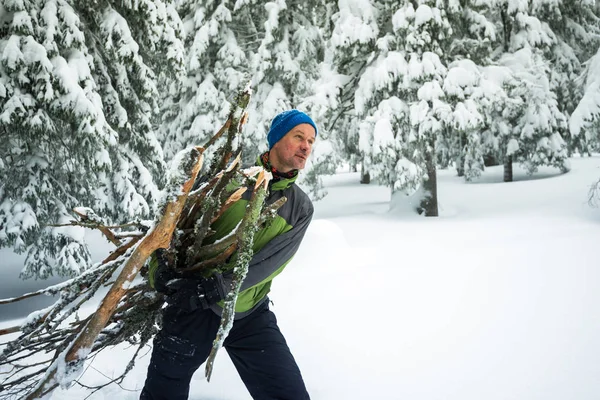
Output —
(365, 177)
(460, 159)
(429, 203)
(508, 170)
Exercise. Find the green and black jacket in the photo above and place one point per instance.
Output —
(274, 245)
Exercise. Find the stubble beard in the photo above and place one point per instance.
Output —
(293, 162)
(299, 162)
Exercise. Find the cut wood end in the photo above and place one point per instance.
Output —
(12, 329)
(244, 119)
(259, 179)
(232, 199)
(235, 162)
(252, 171)
(198, 165)
(187, 186)
(268, 176)
(237, 195)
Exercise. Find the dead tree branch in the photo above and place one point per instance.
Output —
(131, 310)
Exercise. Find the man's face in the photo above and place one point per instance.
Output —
(292, 150)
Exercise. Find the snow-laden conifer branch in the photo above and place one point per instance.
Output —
(80, 84)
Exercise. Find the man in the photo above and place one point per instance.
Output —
(255, 344)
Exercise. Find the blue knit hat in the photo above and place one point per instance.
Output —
(285, 122)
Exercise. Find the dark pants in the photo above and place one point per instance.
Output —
(255, 345)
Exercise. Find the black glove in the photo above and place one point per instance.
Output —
(163, 273)
(190, 294)
(187, 293)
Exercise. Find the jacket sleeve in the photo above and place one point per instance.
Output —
(274, 254)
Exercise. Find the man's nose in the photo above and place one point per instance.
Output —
(305, 145)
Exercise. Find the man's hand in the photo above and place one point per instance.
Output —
(164, 273)
(187, 293)
(190, 294)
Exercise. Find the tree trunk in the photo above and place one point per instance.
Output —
(429, 203)
(353, 163)
(460, 164)
(507, 27)
(460, 158)
(508, 170)
(489, 160)
(365, 177)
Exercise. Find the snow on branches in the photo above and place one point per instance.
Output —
(78, 95)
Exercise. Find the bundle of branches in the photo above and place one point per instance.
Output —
(52, 345)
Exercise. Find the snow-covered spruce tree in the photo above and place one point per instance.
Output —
(578, 30)
(351, 46)
(474, 32)
(536, 134)
(465, 90)
(575, 29)
(501, 108)
(534, 138)
(585, 120)
(474, 38)
(285, 64)
(327, 153)
(77, 106)
(322, 103)
(402, 91)
(216, 66)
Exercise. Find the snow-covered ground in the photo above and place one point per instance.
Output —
(496, 299)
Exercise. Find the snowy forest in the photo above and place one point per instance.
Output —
(98, 97)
